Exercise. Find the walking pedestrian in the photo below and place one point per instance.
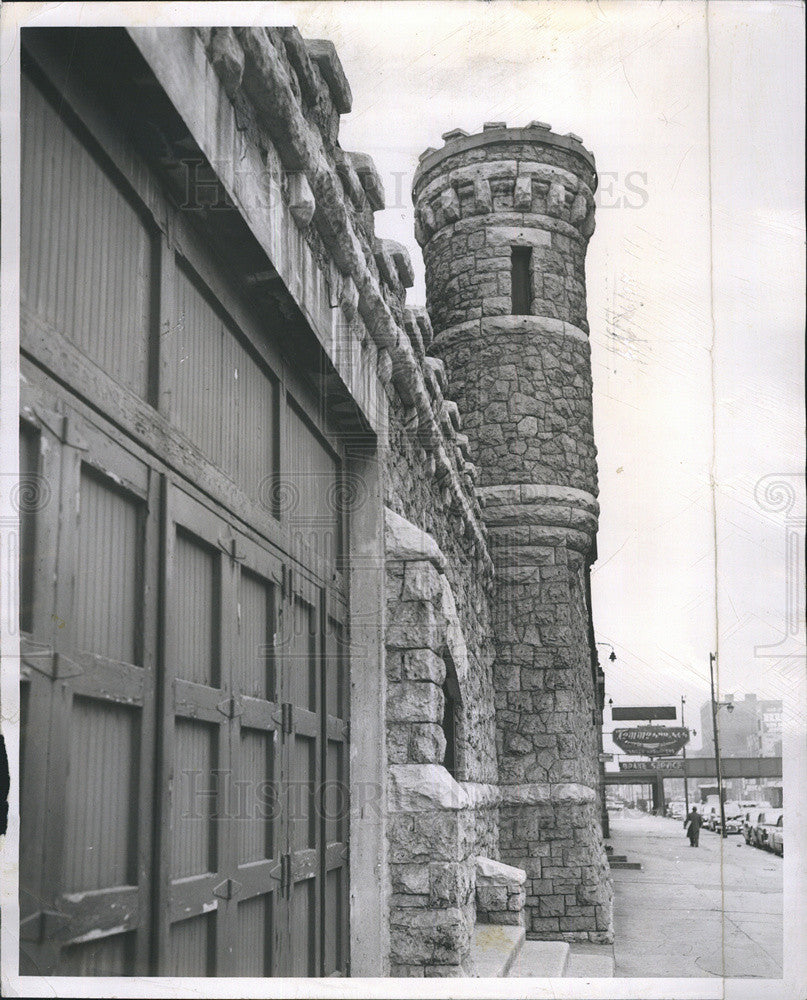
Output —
(692, 826)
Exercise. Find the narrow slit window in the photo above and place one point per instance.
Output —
(521, 274)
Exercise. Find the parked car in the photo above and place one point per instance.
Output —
(749, 818)
(734, 817)
(776, 840)
(763, 827)
(677, 810)
(711, 818)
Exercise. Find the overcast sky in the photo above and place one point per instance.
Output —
(636, 81)
(695, 115)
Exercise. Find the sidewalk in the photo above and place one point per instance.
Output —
(680, 916)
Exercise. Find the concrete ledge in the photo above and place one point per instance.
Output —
(405, 542)
(541, 960)
(423, 788)
(494, 948)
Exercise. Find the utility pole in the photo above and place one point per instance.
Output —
(684, 751)
(712, 659)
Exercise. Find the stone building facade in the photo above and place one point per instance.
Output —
(460, 489)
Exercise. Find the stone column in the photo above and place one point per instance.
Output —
(523, 386)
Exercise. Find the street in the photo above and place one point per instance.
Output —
(711, 910)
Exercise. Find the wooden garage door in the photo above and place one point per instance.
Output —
(184, 761)
(88, 676)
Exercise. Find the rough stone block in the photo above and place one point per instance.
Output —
(410, 878)
(450, 205)
(415, 701)
(427, 744)
(301, 198)
(491, 897)
(423, 665)
(552, 906)
(522, 195)
(421, 582)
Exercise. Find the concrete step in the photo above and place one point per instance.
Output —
(541, 960)
(494, 948)
(635, 866)
(617, 857)
(592, 964)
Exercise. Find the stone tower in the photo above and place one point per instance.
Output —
(504, 219)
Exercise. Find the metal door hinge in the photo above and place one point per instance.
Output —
(230, 707)
(285, 875)
(227, 889)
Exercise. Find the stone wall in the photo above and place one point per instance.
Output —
(523, 385)
(450, 442)
(439, 821)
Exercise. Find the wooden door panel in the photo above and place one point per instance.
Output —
(256, 760)
(97, 675)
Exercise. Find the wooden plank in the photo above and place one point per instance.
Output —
(305, 723)
(198, 701)
(305, 864)
(63, 640)
(188, 897)
(335, 855)
(94, 914)
(148, 722)
(36, 653)
(226, 826)
(258, 877)
(110, 680)
(259, 714)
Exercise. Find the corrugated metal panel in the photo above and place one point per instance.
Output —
(312, 511)
(193, 947)
(302, 655)
(334, 669)
(102, 793)
(29, 466)
(193, 838)
(221, 398)
(304, 958)
(332, 922)
(86, 263)
(256, 772)
(110, 956)
(253, 942)
(107, 584)
(196, 618)
(302, 781)
(256, 429)
(254, 674)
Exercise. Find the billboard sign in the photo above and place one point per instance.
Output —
(651, 741)
(672, 766)
(643, 712)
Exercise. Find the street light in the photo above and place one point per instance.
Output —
(716, 705)
(684, 750)
(612, 657)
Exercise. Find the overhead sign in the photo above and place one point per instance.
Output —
(649, 712)
(605, 757)
(651, 741)
(674, 766)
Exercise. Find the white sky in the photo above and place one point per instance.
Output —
(633, 80)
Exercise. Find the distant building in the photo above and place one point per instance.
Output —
(752, 729)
